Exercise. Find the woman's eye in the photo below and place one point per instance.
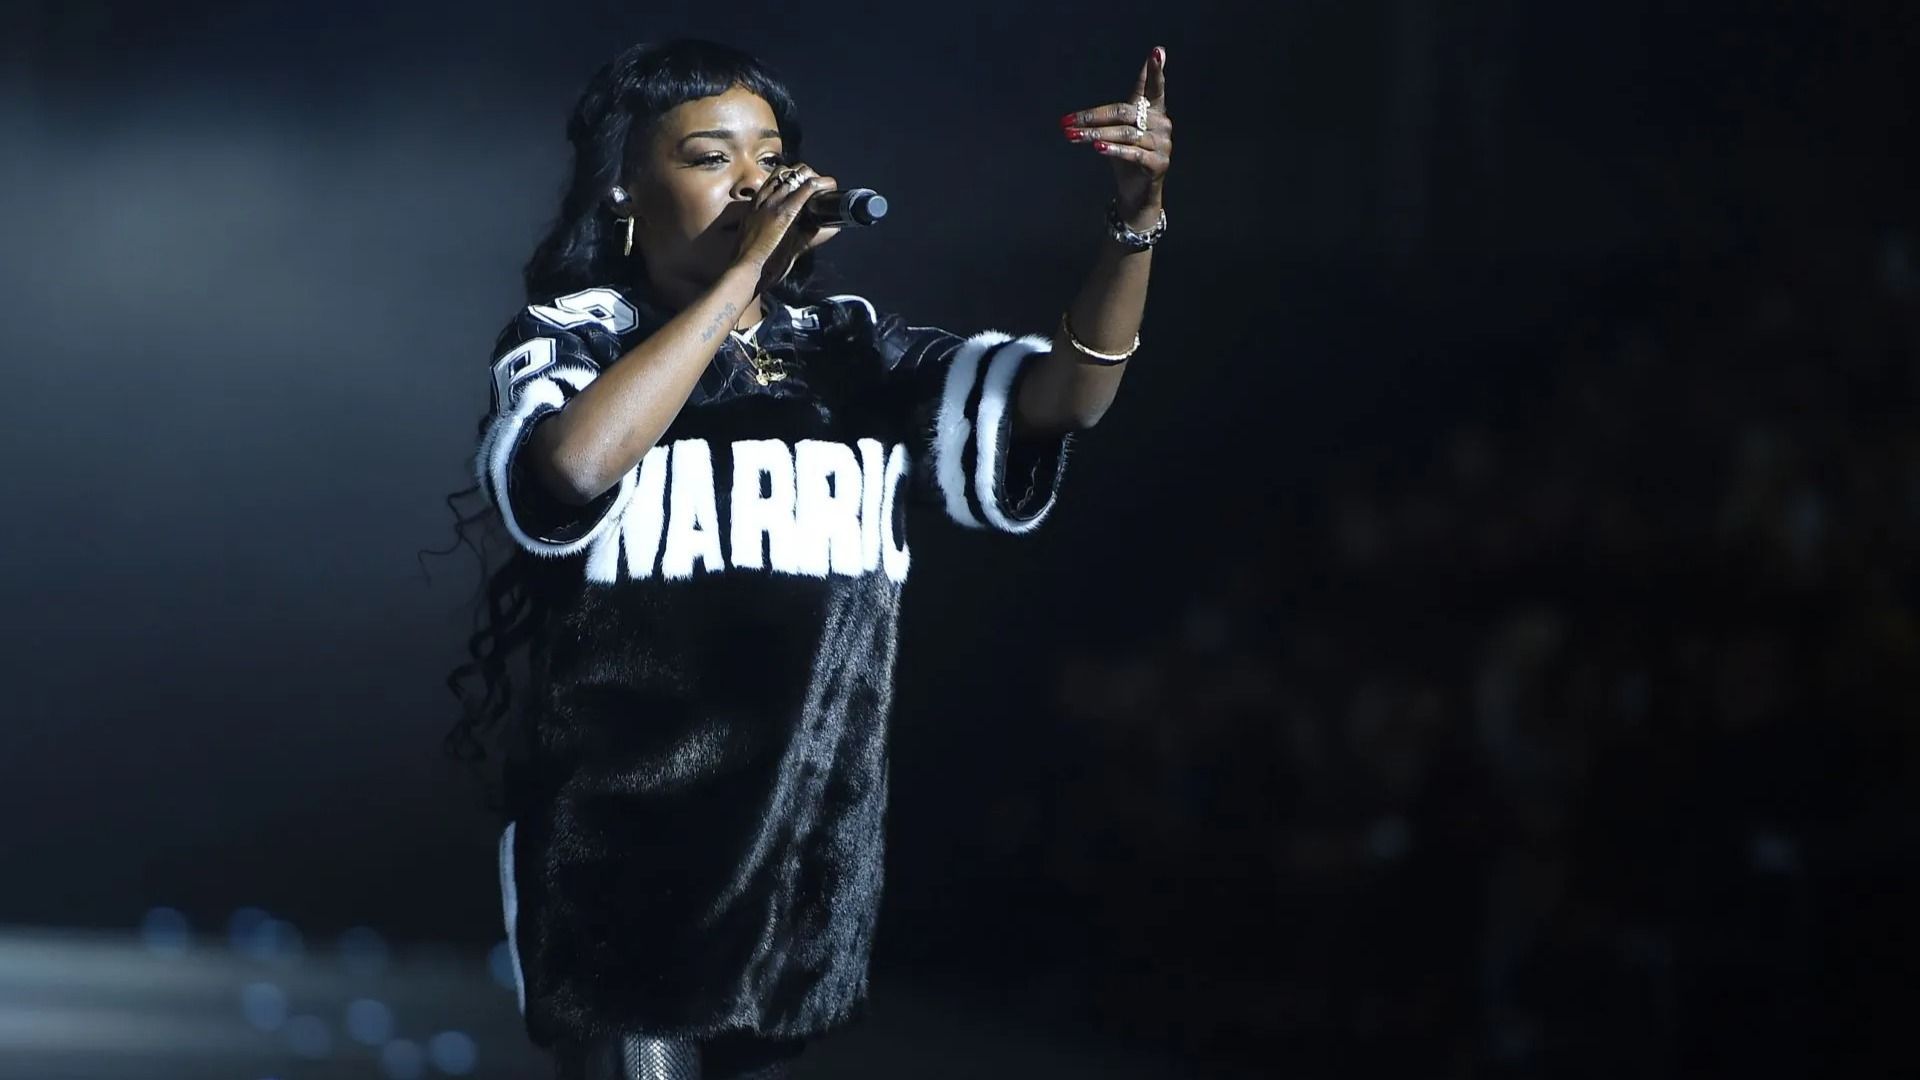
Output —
(771, 161)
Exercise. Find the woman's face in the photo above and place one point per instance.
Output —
(694, 182)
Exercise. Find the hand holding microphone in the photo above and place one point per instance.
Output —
(797, 210)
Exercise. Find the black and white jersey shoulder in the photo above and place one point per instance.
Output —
(545, 355)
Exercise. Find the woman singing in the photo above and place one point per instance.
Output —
(703, 464)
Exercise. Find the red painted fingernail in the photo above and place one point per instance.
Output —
(1100, 146)
(1160, 56)
(1078, 136)
(1070, 119)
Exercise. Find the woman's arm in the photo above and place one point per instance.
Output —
(607, 427)
(1061, 392)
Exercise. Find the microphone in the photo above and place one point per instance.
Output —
(839, 209)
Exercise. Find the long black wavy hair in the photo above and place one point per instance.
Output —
(582, 249)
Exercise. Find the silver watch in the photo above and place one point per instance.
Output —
(1124, 235)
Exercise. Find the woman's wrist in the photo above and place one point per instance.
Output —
(1133, 233)
(744, 271)
(1143, 216)
(748, 264)
(724, 303)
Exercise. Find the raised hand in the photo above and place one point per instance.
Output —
(1136, 135)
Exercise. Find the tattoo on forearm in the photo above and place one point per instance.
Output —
(726, 317)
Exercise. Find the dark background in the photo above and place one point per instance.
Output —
(1481, 640)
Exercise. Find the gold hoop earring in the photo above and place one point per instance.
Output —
(628, 250)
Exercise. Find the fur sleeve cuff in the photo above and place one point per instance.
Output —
(973, 439)
(542, 526)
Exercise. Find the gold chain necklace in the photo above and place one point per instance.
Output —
(767, 368)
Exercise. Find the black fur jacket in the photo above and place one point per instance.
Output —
(696, 828)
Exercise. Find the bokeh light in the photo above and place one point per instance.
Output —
(264, 1005)
(453, 1052)
(402, 1059)
(369, 1021)
(363, 951)
(165, 930)
(242, 925)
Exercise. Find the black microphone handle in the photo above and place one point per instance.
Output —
(840, 209)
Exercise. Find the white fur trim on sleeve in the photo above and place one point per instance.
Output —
(951, 427)
(492, 463)
(988, 465)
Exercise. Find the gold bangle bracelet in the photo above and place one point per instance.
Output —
(1103, 358)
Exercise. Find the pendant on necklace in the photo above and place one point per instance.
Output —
(767, 368)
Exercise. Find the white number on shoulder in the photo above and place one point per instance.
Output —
(532, 357)
(603, 306)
